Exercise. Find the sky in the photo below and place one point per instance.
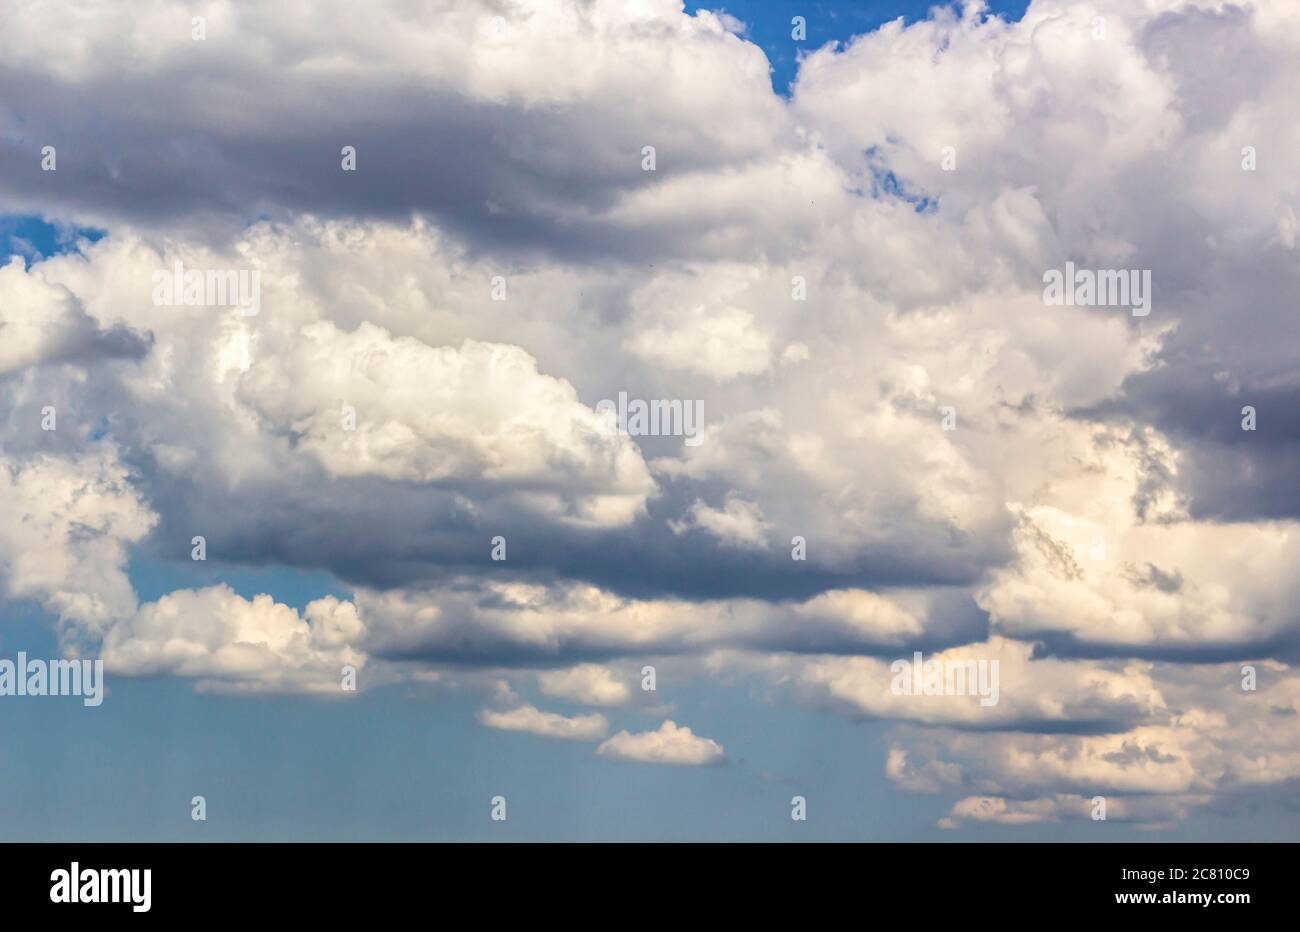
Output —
(365, 555)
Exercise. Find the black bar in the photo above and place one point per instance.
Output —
(654, 883)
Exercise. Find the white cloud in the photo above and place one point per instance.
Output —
(65, 531)
(479, 412)
(230, 643)
(588, 683)
(738, 523)
(522, 623)
(1019, 692)
(1211, 741)
(671, 744)
(1146, 811)
(43, 323)
(1106, 557)
(693, 322)
(547, 724)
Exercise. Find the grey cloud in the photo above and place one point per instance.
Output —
(251, 122)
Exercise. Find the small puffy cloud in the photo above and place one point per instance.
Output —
(587, 683)
(671, 744)
(547, 724)
(229, 643)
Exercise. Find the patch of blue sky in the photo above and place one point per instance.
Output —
(36, 238)
(768, 24)
(154, 578)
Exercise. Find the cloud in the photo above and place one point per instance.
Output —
(42, 324)
(1148, 812)
(228, 643)
(739, 523)
(1019, 693)
(1217, 741)
(1108, 563)
(547, 724)
(1157, 106)
(671, 744)
(525, 624)
(213, 412)
(588, 683)
(691, 322)
(397, 88)
(65, 532)
(365, 404)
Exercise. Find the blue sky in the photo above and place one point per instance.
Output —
(769, 28)
(1069, 492)
(34, 237)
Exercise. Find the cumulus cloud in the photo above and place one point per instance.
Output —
(671, 744)
(1017, 691)
(692, 322)
(547, 724)
(65, 532)
(1211, 740)
(396, 87)
(228, 643)
(41, 323)
(363, 403)
(738, 523)
(588, 683)
(1107, 561)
